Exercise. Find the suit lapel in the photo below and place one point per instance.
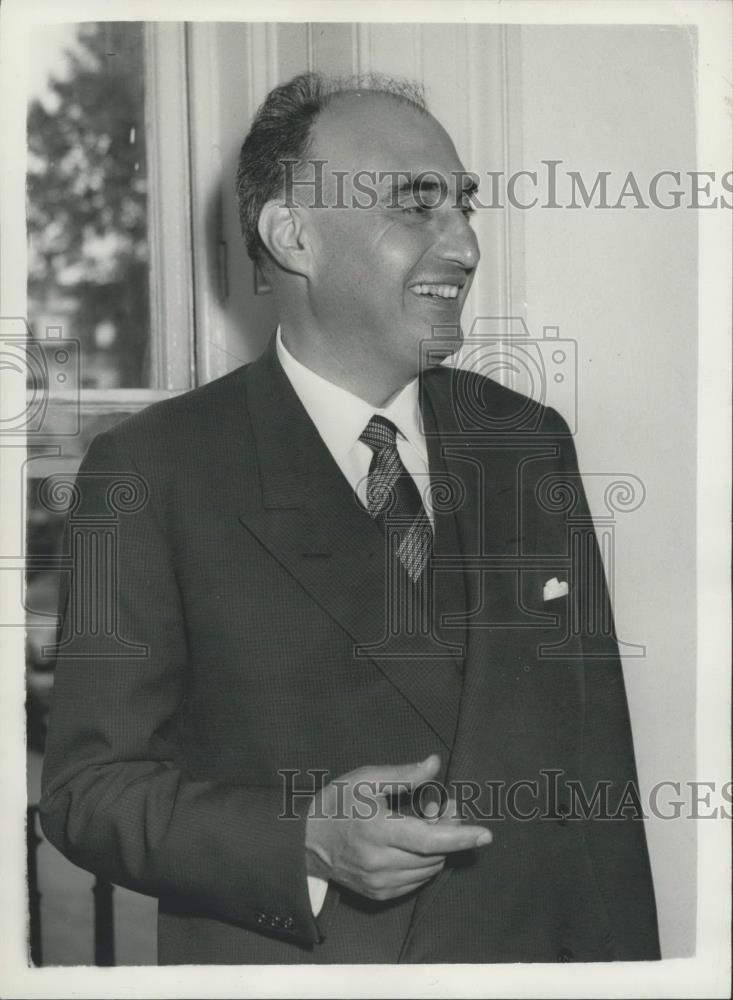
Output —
(310, 519)
(450, 511)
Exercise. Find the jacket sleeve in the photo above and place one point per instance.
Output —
(115, 798)
(617, 846)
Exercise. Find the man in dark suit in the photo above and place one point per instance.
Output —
(342, 703)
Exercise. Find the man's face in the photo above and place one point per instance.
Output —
(384, 276)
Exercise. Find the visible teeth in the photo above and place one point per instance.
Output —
(442, 291)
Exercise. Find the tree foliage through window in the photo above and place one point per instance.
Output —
(87, 205)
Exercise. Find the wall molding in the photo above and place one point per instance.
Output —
(169, 206)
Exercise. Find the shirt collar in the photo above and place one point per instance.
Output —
(340, 416)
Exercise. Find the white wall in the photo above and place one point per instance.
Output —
(621, 284)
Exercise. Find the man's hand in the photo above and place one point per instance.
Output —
(356, 838)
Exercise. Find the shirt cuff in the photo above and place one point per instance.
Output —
(317, 889)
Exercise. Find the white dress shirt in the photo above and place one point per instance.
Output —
(340, 417)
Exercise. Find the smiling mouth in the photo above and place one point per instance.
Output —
(425, 290)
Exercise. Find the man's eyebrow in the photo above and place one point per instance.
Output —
(430, 183)
(411, 185)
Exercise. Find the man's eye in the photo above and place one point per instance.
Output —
(466, 209)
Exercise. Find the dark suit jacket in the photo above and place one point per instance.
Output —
(236, 628)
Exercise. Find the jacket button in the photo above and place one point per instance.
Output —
(565, 955)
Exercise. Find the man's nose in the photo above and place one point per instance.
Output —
(458, 242)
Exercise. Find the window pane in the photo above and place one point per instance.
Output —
(88, 198)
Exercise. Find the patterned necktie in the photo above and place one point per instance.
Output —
(393, 499)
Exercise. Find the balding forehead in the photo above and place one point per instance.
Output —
(372, 122)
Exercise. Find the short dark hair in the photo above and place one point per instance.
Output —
(281, 130)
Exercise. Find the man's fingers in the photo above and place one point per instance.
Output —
(388, 779)
(398, 883)
(425, 837)
(451, 811)
(399, 878)
(394, 858)
(435, 811)
(431, 810)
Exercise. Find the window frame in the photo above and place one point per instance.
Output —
(171, 282)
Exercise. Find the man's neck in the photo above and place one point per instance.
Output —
(374, 387)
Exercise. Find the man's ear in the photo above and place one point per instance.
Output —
(282, 231)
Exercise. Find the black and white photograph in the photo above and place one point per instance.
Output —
(365, 448)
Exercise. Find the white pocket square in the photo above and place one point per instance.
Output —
(554, 588)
